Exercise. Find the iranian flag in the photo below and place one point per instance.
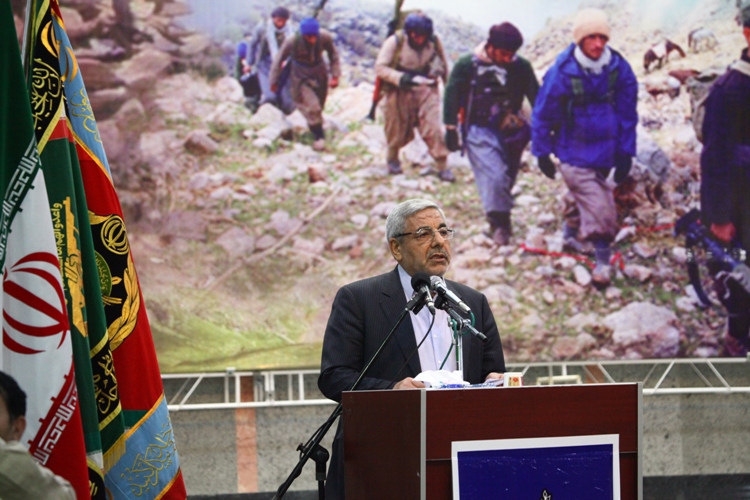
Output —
(36, 341)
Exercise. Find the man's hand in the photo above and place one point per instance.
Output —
(422, 80)
(451, 139)
(741, 274)
(546, 166)
(493, 375)
(406, 81)
(246, 68)
(408, 383)
(334, 82)
(623, 164)
(723, 232)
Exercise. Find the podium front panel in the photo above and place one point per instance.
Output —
(384, 453)
(397, 444)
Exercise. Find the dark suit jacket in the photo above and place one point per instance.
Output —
(363, 313)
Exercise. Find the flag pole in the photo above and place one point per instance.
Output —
(26, 47)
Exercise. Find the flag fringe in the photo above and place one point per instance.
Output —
(114, 453)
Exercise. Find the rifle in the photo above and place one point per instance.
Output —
(376, 96)
(376, 93)
(731, 275)
(319, 8)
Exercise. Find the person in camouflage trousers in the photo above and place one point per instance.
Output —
(410, 63)
(308, 76)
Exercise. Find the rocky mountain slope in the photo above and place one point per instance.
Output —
(242, 233)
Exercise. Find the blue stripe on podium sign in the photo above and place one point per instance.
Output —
(579, 467)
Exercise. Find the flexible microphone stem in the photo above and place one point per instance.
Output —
(313, 443)
(465, 324)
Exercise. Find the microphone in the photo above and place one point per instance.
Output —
(420, 282)
(438, 285)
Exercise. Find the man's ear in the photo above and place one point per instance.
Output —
(17, 428)
(395, 247)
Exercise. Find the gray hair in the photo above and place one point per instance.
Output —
(396, 221)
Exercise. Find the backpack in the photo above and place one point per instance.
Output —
(699, 87)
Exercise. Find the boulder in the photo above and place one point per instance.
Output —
(646, 329)
(236, 242)
(107, 102)
(199, 142)
(98, 75)
(228, 89)
(268, 114)
(652, 162)
(145, 69)
(582, 275)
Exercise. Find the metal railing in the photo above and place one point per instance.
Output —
(278, 388)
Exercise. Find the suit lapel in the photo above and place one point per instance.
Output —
(392, 303)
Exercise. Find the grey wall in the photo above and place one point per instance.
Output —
(682, 435)
(696, 434)
(207, 451)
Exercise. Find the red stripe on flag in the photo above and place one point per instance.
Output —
(61, 131)
(62, 431)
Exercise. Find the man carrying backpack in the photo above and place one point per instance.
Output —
(725, 163)
(409, 64)
(264, 45)
(488, 87)
(585, 114)
(308, 77)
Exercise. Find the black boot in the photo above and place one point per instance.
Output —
(500, 228)
(319, 143)
(317, 132)
(601, 276)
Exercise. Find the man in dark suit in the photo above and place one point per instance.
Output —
(364, 312)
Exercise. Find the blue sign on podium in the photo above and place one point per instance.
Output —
(579, 467)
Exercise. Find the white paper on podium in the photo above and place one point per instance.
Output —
(436, 379)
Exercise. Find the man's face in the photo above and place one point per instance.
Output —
(593, 46)
(279, 22)
(416, 39)
(500, 56)
(311, 39)
(10, 430)
(433, 255)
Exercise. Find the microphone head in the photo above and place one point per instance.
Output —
(419, 280)
(434, 281)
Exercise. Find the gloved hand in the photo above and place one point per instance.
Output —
(546, 166)
(422, 80)
(407, 80)
(451, 139)
(741, 274)
(623, 164)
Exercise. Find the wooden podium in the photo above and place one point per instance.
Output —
(397, 444)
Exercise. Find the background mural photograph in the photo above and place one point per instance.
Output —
(242, 232)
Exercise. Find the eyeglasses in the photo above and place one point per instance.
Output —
(428, 234)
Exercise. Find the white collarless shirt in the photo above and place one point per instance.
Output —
(433, 350)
